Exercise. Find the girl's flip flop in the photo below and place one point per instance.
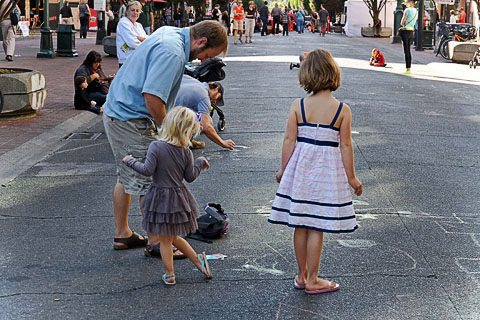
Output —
(337, 286)
(202, 258)
(165, 277)
(296, 285)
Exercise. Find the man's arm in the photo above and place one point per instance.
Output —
(156, 107)
(212, 134)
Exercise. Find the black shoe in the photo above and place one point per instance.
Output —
(9, 58)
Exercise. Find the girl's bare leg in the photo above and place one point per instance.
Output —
(236, 34)
(314, 249)
(167, 255)
(300, 246)
(185, 247)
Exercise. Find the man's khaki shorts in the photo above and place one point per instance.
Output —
(238, 24)
(130, 137)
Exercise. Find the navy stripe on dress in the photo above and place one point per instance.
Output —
(313, 228)
(323, 204)
(310, 215)
(318, 142)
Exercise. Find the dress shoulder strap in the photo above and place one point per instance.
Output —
(303, 111)
(337, 114)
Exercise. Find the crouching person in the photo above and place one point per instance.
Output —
(199, 96)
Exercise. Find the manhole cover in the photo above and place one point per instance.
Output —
(84, 136)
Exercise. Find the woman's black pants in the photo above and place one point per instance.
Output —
(407, 38)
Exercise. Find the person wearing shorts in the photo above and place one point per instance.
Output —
(143, 90)
(238, 15)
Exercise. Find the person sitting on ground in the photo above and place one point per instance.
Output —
(198, 96)
(377, 59)
(81, 101)
(98, 83)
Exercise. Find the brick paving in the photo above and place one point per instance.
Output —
(59, 81)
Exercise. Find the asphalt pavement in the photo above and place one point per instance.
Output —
(416, 254)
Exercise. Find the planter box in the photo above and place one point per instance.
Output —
(385, 32)
(22, 91)
(462, 52)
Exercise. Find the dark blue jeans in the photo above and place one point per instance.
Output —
(285, 28)
(84, 26)
(265, 26)
(98, 97)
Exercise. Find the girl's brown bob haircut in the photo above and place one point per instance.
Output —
(319, 72)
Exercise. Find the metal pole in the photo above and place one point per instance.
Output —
(397, 15)
(46, 39)
(419, 46)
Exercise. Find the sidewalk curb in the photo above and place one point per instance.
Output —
(22, 158)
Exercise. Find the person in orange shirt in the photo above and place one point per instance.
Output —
(238, 15)
(462, 15)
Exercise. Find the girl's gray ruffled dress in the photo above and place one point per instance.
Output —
(170, 209)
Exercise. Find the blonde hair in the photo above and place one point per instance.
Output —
(215, 33)
(134, 3)
(410, 3)
(319, 72)
(179, 125)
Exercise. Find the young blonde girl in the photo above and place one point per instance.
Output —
(169, 208)
(317, 169)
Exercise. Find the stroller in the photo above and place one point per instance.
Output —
(210, 70)
(475, 60)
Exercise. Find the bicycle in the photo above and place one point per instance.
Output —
(461, 33)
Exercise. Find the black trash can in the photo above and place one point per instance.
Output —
(66, 41)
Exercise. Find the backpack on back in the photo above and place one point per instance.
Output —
(14, 17)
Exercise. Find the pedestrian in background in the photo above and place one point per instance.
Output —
(323, 19)
(462, 15)
(177, 16)
(145, 87)
(300, 20)
(168, 15)
(146, 17)
(238, 15)
(84, 17)
(216, 13)
(130, 33)
(264, 16)
(169, 208)
(277, 16)
(66, 14)
(409, 20)
(110, 25)
(8, 29)
(317, 169)
(250, 18)
(285, 21)
(453, 19)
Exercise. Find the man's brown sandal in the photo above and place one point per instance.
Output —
(134, 241)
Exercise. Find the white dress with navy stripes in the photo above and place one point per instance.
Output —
(314, 192)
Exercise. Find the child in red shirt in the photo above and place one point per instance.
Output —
(377, 59)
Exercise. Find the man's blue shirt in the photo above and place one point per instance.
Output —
(193, 94)
(155, 67)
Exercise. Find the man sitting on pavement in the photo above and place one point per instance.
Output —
(198, 96)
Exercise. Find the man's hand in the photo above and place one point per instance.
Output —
(228, 144)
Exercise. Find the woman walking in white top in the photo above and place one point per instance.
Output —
(130, 34)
